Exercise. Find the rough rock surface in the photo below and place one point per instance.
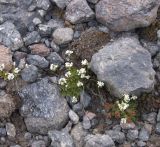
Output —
(98, 141)
(63, 35)
(5, 57)
(7, 105)
(10, 37)
(126, 15)
(61, 138)
(61, 3)
(125, 66)
(78, 11)
(41, 107)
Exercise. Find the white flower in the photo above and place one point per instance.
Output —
(100, 84)
(68, 74)
(68, 52)
(53, 67)
(16, 70)
(79, 84)
(74, 99)
(126, 98)
(68, 64)
(10, 76)
(2, 67)
(84, 62)
(123, 120)
(134, 97)
(87, 77)
(62, 81)
(123, 106)
(82, 71)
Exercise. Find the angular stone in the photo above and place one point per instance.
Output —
(54, 58)
(125, 67)
(126, 15)
(98, 141)
(60, 138)
(73, 117)
(11, 130)
(38, 143)
(78, 11)
(39, 49)
(32, 37)
(144, 135)
(117, 136)
(43, 108)
(7, 105)
(29, 73)
(132, 134)
(158, 128)
(78, 134)
(158, 116)
(10, 37)
(63, 36)
(38, 61)
(61, 3)
(6, 57)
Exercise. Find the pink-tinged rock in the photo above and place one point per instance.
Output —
(6, 57)
(124, 15)
(40, 49)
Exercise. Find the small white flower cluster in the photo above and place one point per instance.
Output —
(8, 75)
(125, 104)
(53, 67)
(100, 84)
(62, 81)
(68, 52)
(68, 64)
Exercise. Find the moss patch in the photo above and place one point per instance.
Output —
(89, 43)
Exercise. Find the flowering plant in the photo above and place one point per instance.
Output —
(74, 80)
(8, 75)
(125, 109)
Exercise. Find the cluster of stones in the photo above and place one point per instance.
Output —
(38, 33)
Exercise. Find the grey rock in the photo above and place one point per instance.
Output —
(151, 117)
(60, 139)
(63, 36)
(41, 107)
(78, 134)
(3, 132)
(158, 116)
(73, 117)
(43, 4)
(125, 67)
(15, 145)
(78, 108)
(85, 99)
(122, 16)
(10, 37)
(141, 144)
(144, 135)
(61, 3)
(32, 37)
(151, 47)
(11, 130)
(45, 30)
(38, 61)
(3, 83)
(17, 12)
(37, 21)
(54, 58)
(55, 47)
(39, 143)
(28, 136)
(132, 135)
(78, 11)
(157, 129)
(93, 1)
(30, 73)
(116, 136)
(86, 123)
(55, 23)
(98, 141)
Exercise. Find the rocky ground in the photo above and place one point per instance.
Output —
(120, 39)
